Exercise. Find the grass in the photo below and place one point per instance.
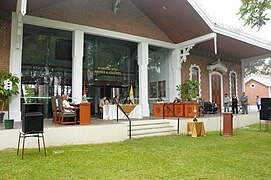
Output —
(246, 155)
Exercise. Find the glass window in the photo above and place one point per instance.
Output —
(46, 64)
(158, 72)
(233, 84)
(153, 90)
(110, 68)
(195, 74)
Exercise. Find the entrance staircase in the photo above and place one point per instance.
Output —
(150, 128)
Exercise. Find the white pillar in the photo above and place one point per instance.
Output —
(143, 61)
(77, 64)
(243, 75)
(16, 62)
(176, 73)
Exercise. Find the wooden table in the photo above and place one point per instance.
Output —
(196, 129)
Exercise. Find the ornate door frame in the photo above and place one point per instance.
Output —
(210, 86)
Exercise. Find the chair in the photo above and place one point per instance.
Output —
(55, 109)
(63, 115)
(32, 126)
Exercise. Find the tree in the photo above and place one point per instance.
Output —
(261, 66)
(254, 12)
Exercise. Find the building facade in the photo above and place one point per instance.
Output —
(257, 85)
(107, 46)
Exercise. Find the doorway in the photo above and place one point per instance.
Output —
(216, 90)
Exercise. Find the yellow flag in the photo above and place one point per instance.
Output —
(132, 94)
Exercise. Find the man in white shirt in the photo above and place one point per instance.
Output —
(226, 103)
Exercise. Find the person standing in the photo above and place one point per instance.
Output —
(258, 102)
(244, 103)
(234, 104)
(226, 103)
(103, 102)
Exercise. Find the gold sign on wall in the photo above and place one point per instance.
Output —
(105, 70)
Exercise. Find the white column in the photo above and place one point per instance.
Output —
(176, 73)
(143, 61)
(210, 87)
(16, 62)
(243, 75)
(77, 63)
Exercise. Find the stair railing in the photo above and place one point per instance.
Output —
(129, 120)
(173, 112)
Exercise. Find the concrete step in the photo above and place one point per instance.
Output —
(147, 122)
(151, 128)
(161, 133)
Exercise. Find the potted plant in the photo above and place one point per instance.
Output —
(5, 93)
(189, 89)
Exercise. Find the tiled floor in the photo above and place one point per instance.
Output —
(96, 121)
(48, 123)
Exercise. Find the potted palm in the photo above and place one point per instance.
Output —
(8, 87)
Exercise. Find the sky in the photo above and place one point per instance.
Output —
(224, 11)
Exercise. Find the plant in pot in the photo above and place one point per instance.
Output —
(189, 89)
(8, 87)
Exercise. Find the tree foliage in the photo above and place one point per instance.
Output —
(254, 12)
(262, 66)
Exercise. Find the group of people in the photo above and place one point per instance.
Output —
(234, 103)
(177, 100)
(116, 100)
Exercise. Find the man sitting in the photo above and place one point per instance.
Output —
(66, 105)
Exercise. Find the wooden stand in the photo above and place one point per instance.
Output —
(227, 124)
(85, 113)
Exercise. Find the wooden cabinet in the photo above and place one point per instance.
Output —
(182, 109)
(157, 109)
(168, 111)
(179, 109)
(190, 108)
(85, 113)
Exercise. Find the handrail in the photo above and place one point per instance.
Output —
(130, 124)
(178, 126)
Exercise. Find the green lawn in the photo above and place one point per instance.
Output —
(246, 155)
